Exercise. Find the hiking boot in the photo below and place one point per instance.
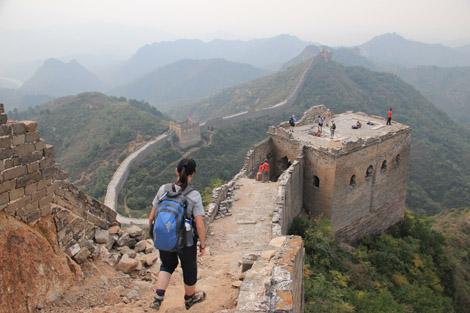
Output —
(196, 298)
(157, 302)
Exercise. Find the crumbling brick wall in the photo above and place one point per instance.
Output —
(33, 186)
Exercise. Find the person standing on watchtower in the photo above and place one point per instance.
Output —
(292, 123)
(389, 119)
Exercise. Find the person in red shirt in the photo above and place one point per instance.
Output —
(260, 172)
(389, 120)
(265, 171)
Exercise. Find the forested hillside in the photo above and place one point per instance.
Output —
(448, 88)
(91, 133)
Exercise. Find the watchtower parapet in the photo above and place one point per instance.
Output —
(188, 132)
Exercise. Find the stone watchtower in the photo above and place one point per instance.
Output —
(358, 179)
(188, 132)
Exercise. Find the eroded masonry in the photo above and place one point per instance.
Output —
(357, 179)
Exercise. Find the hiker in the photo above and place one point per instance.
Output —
(265, 171)
(292, 123)
(187, 255)
(389, 120)
(328, 116)
(332, 129)
(357, 126)
(320, 124)
(260, 172)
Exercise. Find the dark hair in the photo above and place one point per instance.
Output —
(185, 168)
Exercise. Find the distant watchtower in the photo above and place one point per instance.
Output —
(357, 179)
(188, 132)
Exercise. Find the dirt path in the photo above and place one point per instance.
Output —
(246, 230)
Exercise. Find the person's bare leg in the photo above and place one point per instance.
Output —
(163, 280)
(189, 290)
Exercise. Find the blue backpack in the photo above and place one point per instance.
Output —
(168, 228)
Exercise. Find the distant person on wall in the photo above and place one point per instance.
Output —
(328, 116)
(332, 129)
(265, 171)
(188, 254)
(320, 124)
(389, 119)
(292, 123)
(259, 175)
(357, 126)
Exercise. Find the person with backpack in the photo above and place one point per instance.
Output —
(265, 167)
(292, 123)
(175, 209)
(332, 129)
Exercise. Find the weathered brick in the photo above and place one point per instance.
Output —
(14, 172)
(18, 128)
(39, 195)
(4, 198)
(52, 188)
(18, 140)
(23, 149)
(49, 172)
(28, 179)
(40, 144)
(45, 201)
(33, 167)
(49, 151)
(43, 183)
(3, 118)
(5, 153)
(7, 185)
(5, 141)
(8, 163)
(46, 162)
(5, 130)
(30, 189)
(16, 193)
(31, 126)
(32, 137)
(46, 210)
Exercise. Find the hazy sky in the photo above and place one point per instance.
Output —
(121, 26)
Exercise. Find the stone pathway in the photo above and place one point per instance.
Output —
(230, 239)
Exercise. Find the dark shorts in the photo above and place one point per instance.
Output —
(320, 124)
(188, 259)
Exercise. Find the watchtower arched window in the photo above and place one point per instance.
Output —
(398, 159)
(369, 171)
(316, 182)
(384, 166)
(352, 181)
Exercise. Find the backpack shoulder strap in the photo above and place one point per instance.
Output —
(186, 191)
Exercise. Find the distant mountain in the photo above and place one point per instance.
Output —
(91, 133)
(448, 88)
(188, 80)
(57, 79)
(392, 49)
(269, 53)
(20, 100)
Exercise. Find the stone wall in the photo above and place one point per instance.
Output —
(120, 176)
(33, 186)
(188, 132)
(257, 154)
(275, 282)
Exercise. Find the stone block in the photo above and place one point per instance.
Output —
(41, 144)
(73, 249)
(32, 137)
(14, 172)
(49, 172)
(45, 201)
(7, 185)
(149, 259)
(30, 157)
(23, 149)
(33, 167)
(46, 210)
(28, 179)
(135, 231)
(16, 193)
(43, 183)
(31, 126)
(52, 188)
(18, 128)
(18, 140)
(126, 264)
(5, 130)
(49, 151)
(101, 236)
(8, 163)
(4, 198)
(3, 118)
(5, 153)
(5, 141)
(46, 162)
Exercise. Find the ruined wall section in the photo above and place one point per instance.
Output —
(256, 155)
(275, 284)
(188, 132)
(33, 186)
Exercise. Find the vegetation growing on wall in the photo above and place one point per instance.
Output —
(406, 269)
